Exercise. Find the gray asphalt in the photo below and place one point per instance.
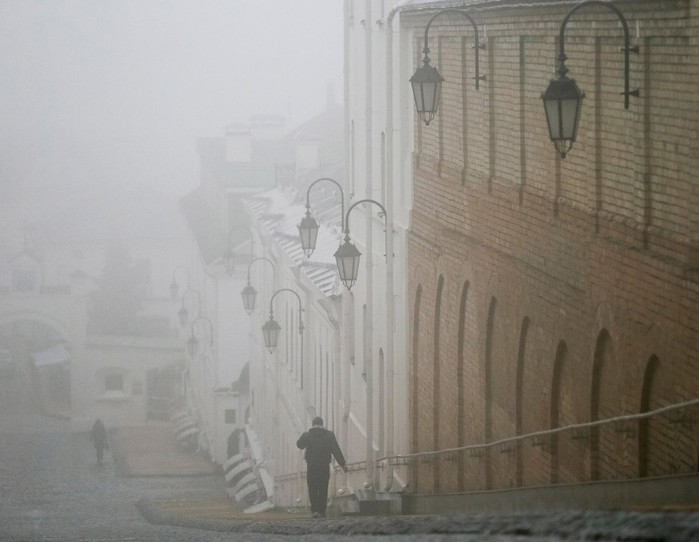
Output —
(52, 490)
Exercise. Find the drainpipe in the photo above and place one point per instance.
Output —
(390, 294)
(348, 337)
(347, 391)
(369, 349)
(333, 307)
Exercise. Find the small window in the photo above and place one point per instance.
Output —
(230, 415)
(24, 280)
(137, 387)
(114, 382)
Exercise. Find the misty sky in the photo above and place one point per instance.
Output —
(118, 90)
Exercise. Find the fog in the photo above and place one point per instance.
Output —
(100, 92)
(101, 106)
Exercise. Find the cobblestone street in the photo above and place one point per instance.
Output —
(53, 490)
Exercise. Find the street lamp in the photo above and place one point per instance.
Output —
(183, 313)
(228, 256)
(270, 331)
(308, 228)
(563, 99)
(193, 343)
(249, 294)
(347, 255)
(347, 258)
(271, 328)
(427, 81)
(229, 261)
(174, 287)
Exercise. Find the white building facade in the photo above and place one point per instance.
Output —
(349, 365)
(66, 364)
(378, 123)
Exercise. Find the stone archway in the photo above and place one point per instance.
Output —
(45, 336)
(163, 390)
(40, 379)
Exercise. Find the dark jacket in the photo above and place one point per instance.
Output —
(320, 444)
(98, 435)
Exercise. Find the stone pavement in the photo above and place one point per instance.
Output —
(153, 451)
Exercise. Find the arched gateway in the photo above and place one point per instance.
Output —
(40, 337)
(55, 367)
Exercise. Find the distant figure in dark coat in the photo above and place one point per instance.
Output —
(320, 444)
(98, 437)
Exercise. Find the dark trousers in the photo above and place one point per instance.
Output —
(317, 477)
(99, 449)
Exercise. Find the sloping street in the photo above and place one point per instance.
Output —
(53, 490)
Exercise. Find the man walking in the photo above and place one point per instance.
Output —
(98, 436)
(320, 444)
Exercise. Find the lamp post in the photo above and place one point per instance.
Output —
(308, 228)
(347, 255)
(183, 313)
(174, 287)
(563, 99)
(193, 342)
(347, 258)
(249, 294)
(271, 328)
(427, 81)
(228, 256)
(229, 261)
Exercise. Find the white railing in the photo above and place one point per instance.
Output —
(539, 434)
(294, 483)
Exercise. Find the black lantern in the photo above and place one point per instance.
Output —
(427, 81)
(347, 258)
(427, 87)
(271, 328)
(174, 289)
(229, 261)
(308, 231)
(563, 99)
(562, 103)
(174, 286)
(183, 315)
(192, 345)
(249, 295)
(308, 228)
(270, 331)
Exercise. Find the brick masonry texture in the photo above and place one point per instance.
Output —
(549, 292)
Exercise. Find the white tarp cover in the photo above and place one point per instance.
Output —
(187, 432)
(52, 356)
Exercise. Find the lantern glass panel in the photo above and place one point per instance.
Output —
(308, 231)
(249, 295)
(347, 257)
(562, 104)
(192, 346)
(174, 290)
(229, 261)
(183, 315)
(427, 86)
(570, 116)
(270, 332)
(553, 118)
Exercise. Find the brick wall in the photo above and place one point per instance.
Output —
(554, 292)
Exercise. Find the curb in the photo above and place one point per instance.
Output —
(589, 525)
(119, 448)
(302, 526)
